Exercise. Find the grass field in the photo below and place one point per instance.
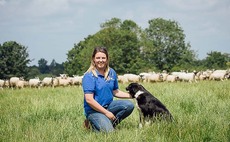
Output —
(201, 112)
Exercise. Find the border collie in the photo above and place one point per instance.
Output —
(150, 108)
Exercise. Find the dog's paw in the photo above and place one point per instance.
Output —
(147, 122)
(140, 125)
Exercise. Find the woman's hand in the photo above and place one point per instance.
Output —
(121, 94)
(110, 115)
(96, 106)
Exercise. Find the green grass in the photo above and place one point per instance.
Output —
(201, 112)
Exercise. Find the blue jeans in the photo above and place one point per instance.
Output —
(120, 108)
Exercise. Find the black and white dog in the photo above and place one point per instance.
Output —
(150, 108)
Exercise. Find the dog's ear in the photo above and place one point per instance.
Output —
(136, 87)
(132, 89)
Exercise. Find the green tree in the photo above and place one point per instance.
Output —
(216, 60)
(55, 68)
(168, 46)
(13, 60)
(33, 72)
(188, 61)
(122, 42)
(42, 65)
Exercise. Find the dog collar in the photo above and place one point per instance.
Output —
(138, 93)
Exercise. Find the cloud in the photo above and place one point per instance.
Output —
(57, 24)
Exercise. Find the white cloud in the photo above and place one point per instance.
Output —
(48, 24)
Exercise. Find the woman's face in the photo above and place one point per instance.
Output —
(100, 60)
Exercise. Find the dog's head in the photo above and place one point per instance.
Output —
(133, 88)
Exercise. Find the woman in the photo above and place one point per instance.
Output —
(100, 85)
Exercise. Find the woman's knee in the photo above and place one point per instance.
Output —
(100, 123)
(129, 105)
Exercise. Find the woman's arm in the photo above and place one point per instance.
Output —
(96, 106)
(121, 94)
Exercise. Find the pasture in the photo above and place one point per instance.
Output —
(201, 112)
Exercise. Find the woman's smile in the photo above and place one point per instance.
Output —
(100, 61)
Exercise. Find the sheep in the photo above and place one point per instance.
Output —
(64, 82)
(7, 83)
(207, 73)
(132, 77)
(178, 74)
(171, 78)
(144, 75)
(14, 81)
(35, 82)
(164, 76)
(55, 82)
(218, 75)
(202, 77)
(183, 76)
(47, 81)
(21, 84)
(157, 77)
(70, 79)
(190, 77)
(77, 80)
(122, 79)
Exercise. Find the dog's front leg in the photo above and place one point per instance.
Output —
(141, 117)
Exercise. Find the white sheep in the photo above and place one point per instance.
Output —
(77, 80)
(47, 81)
(55, 82)
(218, 75)
(14, 81)
(164, 76)
(132, 77)
(122, 79)
(144, 75)
(156, 77)
(171, 78)
(21, 84)
(190, 77)
(7, 83)
(64, 82)
(35, 82)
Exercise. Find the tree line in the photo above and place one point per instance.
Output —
(161, 46)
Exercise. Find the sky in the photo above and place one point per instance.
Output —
(50, 28)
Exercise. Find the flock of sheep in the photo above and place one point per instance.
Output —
(175, 76)
(64, 80)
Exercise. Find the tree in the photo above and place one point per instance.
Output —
(55, 68)
(168, 44)
(33, 72)
(217, 60)
(123, 45)
(122, 42)
(13, 60)
(42, 65)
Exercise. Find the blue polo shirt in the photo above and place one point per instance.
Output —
(101, 88)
